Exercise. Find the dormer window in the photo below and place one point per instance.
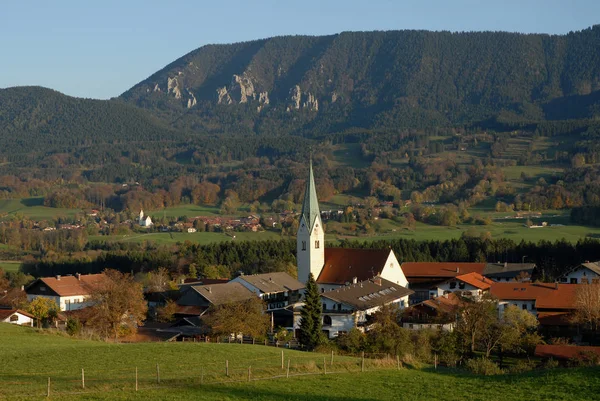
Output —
(304, 245)
(317, 244)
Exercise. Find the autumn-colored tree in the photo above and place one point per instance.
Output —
(587, 301)
(167, 312)
(43, 309)
(118, 304)
(246, 317)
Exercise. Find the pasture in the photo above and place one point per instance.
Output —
(10, 265)
(33, 208)
(197, 371)
(198, 237)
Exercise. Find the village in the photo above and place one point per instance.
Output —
(352, 286)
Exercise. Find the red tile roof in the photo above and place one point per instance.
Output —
(445, 303)
(555, 318)
(476, 280)
(439, 270)
(565, 351)
(6, 313)
(546, 295)
(67, 286)
(342, 265)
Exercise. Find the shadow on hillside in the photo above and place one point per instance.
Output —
(29, 202)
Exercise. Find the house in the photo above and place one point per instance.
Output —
(472, 285)
(422, 276)
(588, 272)
(16, 316)
(69, 292)
(436, 313)
(196, 299)
(278, 289)
(509, 271)
(144, 221)
(349, 306)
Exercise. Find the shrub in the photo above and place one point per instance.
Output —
(483, 366)
(73, 326)
(523, 366)
(551, 364)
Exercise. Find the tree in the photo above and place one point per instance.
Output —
(387, 336)
(166, 313)
(475, 319)
(118, 304)
(42, 309)
(587, 301)
(245, 317)
(310, 316)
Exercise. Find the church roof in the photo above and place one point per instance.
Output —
(342, 265)
(310, 206)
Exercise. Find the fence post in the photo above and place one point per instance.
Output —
(287, 375)
(265, 342)
(48, 392)
(241, 339)
(324, 366)
(362, 364)
(435, 361)
(249, 372)
(398, 361)
(136, 379)
(157, 374)
(281, 359)
(331, 357)
(227, 367)
(82, 378)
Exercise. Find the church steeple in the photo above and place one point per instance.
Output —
(310, 240)
(310, 206)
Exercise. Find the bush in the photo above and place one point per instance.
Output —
(483, 366)
(73, 326)
(523, 366)
(551, 364)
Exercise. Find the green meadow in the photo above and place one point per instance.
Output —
(33, 208)
(198, 237)
(197, 371)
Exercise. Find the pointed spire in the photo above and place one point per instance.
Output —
(310, 206)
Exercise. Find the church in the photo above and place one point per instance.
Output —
(337, 267)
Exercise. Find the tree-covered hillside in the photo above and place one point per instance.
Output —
(385, 80)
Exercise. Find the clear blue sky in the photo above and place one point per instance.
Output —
(101, 48)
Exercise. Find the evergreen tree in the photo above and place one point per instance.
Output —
(310, 323)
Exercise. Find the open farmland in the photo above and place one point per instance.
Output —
(197, 371)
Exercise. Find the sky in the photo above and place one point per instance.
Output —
(99, 49)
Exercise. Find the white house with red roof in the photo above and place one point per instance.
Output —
(69, 292)
(472, 285)
(16, 316)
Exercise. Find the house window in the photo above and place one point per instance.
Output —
(324, 307)
(326, 320)
(304, 245)
(317, 244)
(461, 286)
(563, 279)
(322, 290)
(453, 285)
(574, 281)
(339, 307)
(14, 318)
(524, 306)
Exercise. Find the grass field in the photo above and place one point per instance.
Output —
(199, 237)
(9, 265)
(196, 371)
(33, 208)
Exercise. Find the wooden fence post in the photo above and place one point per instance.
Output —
(331, 357)
(398, 361)
(287, 375)
(324, 366)
(362, 364)
(157, 374)
(265, 342)
(136, 379)
(282, 360)
(82, 378)
(48, 392)
(435, 361)
(227, 367)
(249, 372)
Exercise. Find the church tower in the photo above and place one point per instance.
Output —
(310, 240)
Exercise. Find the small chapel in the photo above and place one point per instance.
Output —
(336, 267)
(145, 221)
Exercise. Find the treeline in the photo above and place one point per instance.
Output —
(229, 258)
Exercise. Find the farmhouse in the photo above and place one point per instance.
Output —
(437, 313)
(472, 285)
(422, 276)
(69, 292)
(336, 267)
(196, 299)
(509, 271)
(350, 306)
(585, 273)
(16, 316)
(278, 289)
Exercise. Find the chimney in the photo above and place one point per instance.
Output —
(209, 290)
(377, 281)
(354, 280)
(58, 277)
(22, 288)
(78, 275)
(505, 264)
(457, 269)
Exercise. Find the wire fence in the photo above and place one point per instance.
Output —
(146, 376)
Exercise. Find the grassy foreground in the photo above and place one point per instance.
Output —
(196, 371)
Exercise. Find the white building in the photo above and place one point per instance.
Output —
(69, 292)
(585, 273)
(471, 285)
(145, 221)
(277, 289)
(16, 316)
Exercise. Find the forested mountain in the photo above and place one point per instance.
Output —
(377, 80)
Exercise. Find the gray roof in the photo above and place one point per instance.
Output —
(218, 294)
(310, 206)
(507, 269)
(368, 294)
(593, 266)
(273, 282)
